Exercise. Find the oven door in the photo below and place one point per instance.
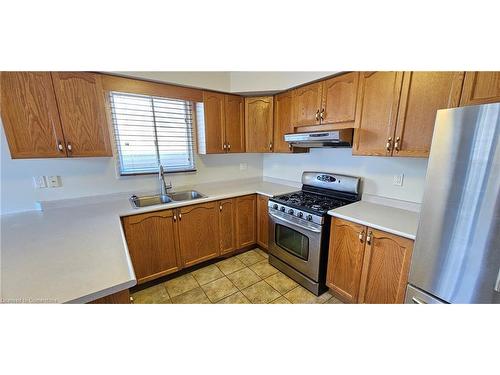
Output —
(295, 242)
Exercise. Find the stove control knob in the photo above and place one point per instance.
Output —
(275, 206)
(309, 217)
(300, 214)
(290, 211)
(282, 209)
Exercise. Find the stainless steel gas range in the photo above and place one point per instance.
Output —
(300, 226)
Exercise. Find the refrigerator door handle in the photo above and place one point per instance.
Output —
(418, 301)
(497, 284)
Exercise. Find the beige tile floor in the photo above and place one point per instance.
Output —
(243, 278)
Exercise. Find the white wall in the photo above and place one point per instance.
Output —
(93, 176)
(242, 82)
(377, 172)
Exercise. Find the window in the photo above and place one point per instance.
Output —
(152, 130)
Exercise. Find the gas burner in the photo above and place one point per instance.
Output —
(311, 201)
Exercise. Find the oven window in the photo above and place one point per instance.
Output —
(292, 241)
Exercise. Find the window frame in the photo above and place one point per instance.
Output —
(117, 149)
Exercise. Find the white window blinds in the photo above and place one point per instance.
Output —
(152, 130)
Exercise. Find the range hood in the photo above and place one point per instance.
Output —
(333, 138)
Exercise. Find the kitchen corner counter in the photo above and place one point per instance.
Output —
(386, 218)
(75, 250)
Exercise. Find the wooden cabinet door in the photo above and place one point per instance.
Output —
(82, 109)
(214, 111)
(423, 93)
(385, 268)
(378, 99)
(152, 245)
(481, 88)
(30, 116)
(198, 233)
(262, 221)
(259, 124)
(307, 104)
(234, 123)
(339, 99)
(227, 226)
(345, 259)
(282, 121)
(246, 221)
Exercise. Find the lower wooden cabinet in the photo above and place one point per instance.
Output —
(198, 233)
(122, 297)
(345, 259)
(366, 265)
(262, 221)
(227, 226)
(246, 221)
(164, 242)
(152, 244)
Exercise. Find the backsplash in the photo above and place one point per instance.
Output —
(377, 172)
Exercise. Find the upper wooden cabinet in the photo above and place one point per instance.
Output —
(378, 99)
(227, 226)
(330, 103)
(307, 104)
(345, 259)
(259, 124)
(54, 114)
(422, 95)
(81, 102)
(366, 265)
(212, 137)
(198, 233)
(339, 100)
(30, 115)
(282, 121)
(152, 244)
(246, 221)
(385, 268)
(235, 125)
(481, 88)
(223, 129)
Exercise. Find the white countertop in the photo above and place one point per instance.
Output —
(75, 251)
(389, 219)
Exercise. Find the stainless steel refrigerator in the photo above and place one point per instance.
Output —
(456, 258)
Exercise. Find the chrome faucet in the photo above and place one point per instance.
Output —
(163, 186)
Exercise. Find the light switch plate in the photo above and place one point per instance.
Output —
(54, 181)
(398, 179)
(40, 182)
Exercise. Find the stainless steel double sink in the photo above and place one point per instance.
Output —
(151, 200)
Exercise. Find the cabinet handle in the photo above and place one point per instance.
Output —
(369, 238)
(388, 144)
(180, 216)
(396, 144)
(317, 115)
(69, 147)
(60, 146)
(289, 146)
(224, 146)
(175, 218)
(270, 145)
(229, 146)
(361, 235)
(220, 207)
(321, 114)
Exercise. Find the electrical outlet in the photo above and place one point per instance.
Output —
(54, 181)
(243, 166)
(40, 182)
(398, 179)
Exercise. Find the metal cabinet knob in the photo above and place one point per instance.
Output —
(220, 207)
(396, 144)
(60, 146)
(361, 236)
(317, 115)
(321, 114)
(270, 145)
(229, 147)
(369, 238)
(388, 144)
(175, 218)
(180, 216)
(224, 146)
(69, 147)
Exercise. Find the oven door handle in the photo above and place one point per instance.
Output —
(292, 223)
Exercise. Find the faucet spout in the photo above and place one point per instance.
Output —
(163, 186)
